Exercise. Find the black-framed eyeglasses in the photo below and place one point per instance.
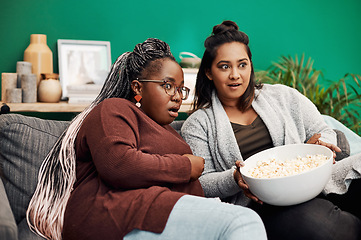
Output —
(170, 88)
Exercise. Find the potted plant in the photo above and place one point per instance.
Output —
(340, 99)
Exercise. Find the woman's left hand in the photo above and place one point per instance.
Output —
(315, 139)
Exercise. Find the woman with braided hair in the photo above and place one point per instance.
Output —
(121, 171)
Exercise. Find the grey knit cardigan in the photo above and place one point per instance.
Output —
(290, 118)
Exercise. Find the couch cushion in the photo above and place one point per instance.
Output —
(8, 228)
(25, 142)
(25, 233)
(343, 144)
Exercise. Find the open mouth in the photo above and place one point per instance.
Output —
(235, 84)
(173, 111)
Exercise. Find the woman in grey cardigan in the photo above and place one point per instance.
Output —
(237, 118)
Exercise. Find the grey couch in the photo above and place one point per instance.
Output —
(24, 143)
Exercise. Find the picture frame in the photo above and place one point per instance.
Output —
(190, 78)
(83, 63)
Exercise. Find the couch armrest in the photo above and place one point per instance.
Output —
(342, 143)
(8, 228)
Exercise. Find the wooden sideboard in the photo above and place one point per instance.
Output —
(60, 107)
(190, 75)
(46, 107)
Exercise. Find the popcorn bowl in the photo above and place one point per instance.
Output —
(294, 189)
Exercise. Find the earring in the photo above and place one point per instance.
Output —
(138, 98)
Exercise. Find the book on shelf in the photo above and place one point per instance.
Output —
(81, 99)
(84, 89)
(88, 95)
(82, 94)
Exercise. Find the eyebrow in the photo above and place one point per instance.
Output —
(239, 60)
(169, 79)
(172, 80)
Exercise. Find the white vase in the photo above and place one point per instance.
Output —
(49, 90)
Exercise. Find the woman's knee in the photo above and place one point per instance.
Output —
(244, 214)
(211, 219)
(246, 224)
(329, 219)
(315, 219)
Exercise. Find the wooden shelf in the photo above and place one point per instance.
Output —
(46, 107)
(189, 75)
(60, 107)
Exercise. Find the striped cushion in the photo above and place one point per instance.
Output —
(25, 142)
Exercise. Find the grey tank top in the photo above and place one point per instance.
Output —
(252, 138)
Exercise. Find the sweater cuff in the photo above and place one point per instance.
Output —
(233, 186)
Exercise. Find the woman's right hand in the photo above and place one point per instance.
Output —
(197, 164)
(315, 139)
(242, 184)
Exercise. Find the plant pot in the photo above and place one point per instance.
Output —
(189, 62)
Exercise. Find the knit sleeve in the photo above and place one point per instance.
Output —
(215, 183)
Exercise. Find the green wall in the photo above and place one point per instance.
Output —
(328, 31)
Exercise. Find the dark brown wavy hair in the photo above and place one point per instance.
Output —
(226, 32)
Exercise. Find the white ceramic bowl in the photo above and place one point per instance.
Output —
(289, 190)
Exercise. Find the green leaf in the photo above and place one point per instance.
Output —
(340, 99)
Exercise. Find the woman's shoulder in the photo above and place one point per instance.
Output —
(279, 94)
(198, 114)
(112, 102)
(277, 90)
(276, 87)
(117, 104)
(117, 107)
(198, 118)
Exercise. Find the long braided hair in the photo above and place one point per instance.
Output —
(57, 174)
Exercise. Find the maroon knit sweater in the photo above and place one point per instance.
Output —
(130, 173)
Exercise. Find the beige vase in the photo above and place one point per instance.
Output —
(49, 89)
(39, 55)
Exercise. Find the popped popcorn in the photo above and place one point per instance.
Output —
(275, 168)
